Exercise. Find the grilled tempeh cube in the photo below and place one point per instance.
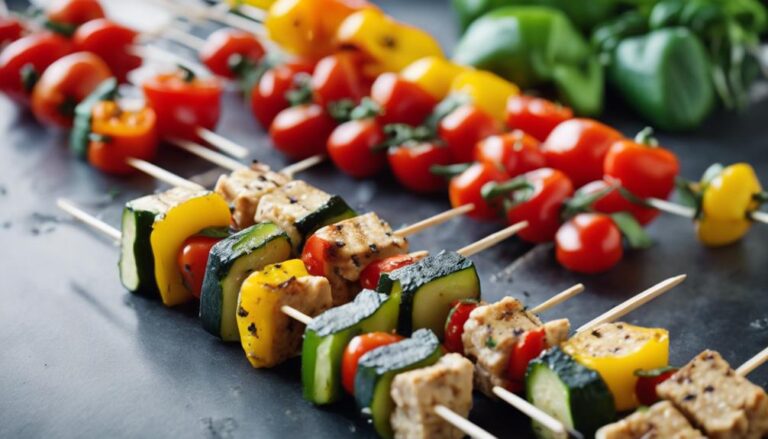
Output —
(660, 421)
(244, 188)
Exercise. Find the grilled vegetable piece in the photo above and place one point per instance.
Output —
(328, 334)
(268, 336)
(427, 289)
(244, 188)
(416, 393)
(570, 392)
(79, 137)
(154, 229)
(661, 420)
(491, 334)
(616, 351)
(300, 209)
(378, 368)
(721, 403)
(230, 262)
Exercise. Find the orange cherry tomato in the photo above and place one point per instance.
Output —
(515, 152)
(268, 96)
(644, 170)
(10, 30)
(110, 42)
(315, 255)
(356, 348)
(24, 60)
(117, 135)
(454, 324)
(369, 277)
(64, 84)
(463, 127)
(192, 261)
(536, 116)
(466, 187)
(401, 101)
(301, 131)
(351, 147)
(73, 13)
(339, 76)
(540, 203)
(183, 103)
(612, 201)
(530, 345)
(225, 48)
(578, 148)
(412, 165)
(589, 243)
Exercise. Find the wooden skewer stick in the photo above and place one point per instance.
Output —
(465, 425)
(753, 363)
(558, 299)
(433, 220)
(759, 216)
(161, 174)
(673, 208)
(251, 12)
(491, 240)
(635, 302)
(296, 314)
(534, 412)
(222, 143)
(199, 12)
(86, 218)
(303, 165)
(204, 153)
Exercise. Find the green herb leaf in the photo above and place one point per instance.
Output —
(583, 202)
(492, 189)
(449, 171)
(632, 230)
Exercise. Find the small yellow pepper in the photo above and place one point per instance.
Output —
(486, 90)
(434, 74)
(389, 45)
(715, 233)
(730, 195)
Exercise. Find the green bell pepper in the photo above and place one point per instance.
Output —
(532, 46)
(585, 14)
(666, 77)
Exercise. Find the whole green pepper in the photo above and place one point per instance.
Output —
(536, 45)
(666, 77)
(585, 14)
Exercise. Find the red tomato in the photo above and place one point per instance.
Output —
(401, 101)
(515, 152)
(541, 204)
(465, 189)
(192, 260)
(64, 84)
(351, 147)
(339, 76)
(411, 165)
(301, 131)
(578, 148)
(10, 30)
(23, 61)
(536, 116)
(110, 42)
(226, 47)
(613, 201)
(645, 387)
(73, 13)
(589, 243)
(462, 128)
(315, 255)
(530, 345)
(122, 134)
(183, 103)
(356, 348)
(454, 324)
(644, 170)
(268, 95)
(369, 277)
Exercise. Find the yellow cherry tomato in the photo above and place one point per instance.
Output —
(486, 90)
(434, 74)
(730, 195)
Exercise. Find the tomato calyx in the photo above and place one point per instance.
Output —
(444, 108)
(631, 230)
(345, 110)
(645, 137)
(63, 29)
(654, 373)
(29, 77)
(301, 91)
(187, 75)
(450, 171)
(520, 189)
(583, 202)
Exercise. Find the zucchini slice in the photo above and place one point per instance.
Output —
(79, 138)
(426, 290)
(327, 336)
(137, 263)
(575, 395)
(377, 369)
(229, 264)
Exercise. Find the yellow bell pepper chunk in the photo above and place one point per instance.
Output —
(389, 45)
(729, 196)
(190, 212)
(715, 233)
(259, 4)
(616, 351)
(486, 90)
(267, 335)
(434, 74)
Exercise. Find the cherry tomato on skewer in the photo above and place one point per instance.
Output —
(226, 51)
(466, 188)
(454, 324)
(611, 200)
(268, 96)
(11, 30)
(589, 243)
(192, 260)
(369, 277)
(110, 42)
(339, 76)
(117, 135)
(411, 164)
(357, 347)
(462, 128)
(647, 380)
(23, 61)
(530, 345)
(536, 116)
(301, 131)
(515, 152)
(65, 16)
(401, 101)
(352, 144)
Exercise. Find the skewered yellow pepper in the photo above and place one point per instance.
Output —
(616, 351)
(486, 90)
(714, 233)
(389, 45)
(731, 194)
(434, 74)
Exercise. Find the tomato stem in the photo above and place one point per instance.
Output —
(493, 189)
(645, 137)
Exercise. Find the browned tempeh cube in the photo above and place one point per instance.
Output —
(244, 188)
(660, 421)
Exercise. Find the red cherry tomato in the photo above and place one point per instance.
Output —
(351, 147)
(23, 61)
(369, 277)
(401, 101)
(463, 127)
(110, 42)
(541, 204)
(536, 116)
(122, 134)
(301, 131)
(465, 188)
(192, 260)
(183, 103)
(589, 243)
(645, 387)
(613, 201)
(315, 255)
(411, 165)
(644, 170)
(530, 345)
(64, 84)
(73, 13)
(356, 348)
(578, 148)
(10, 30)
(225, 47)
(454, 324)
(515, 152)
(268, 95)
(339, 76)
